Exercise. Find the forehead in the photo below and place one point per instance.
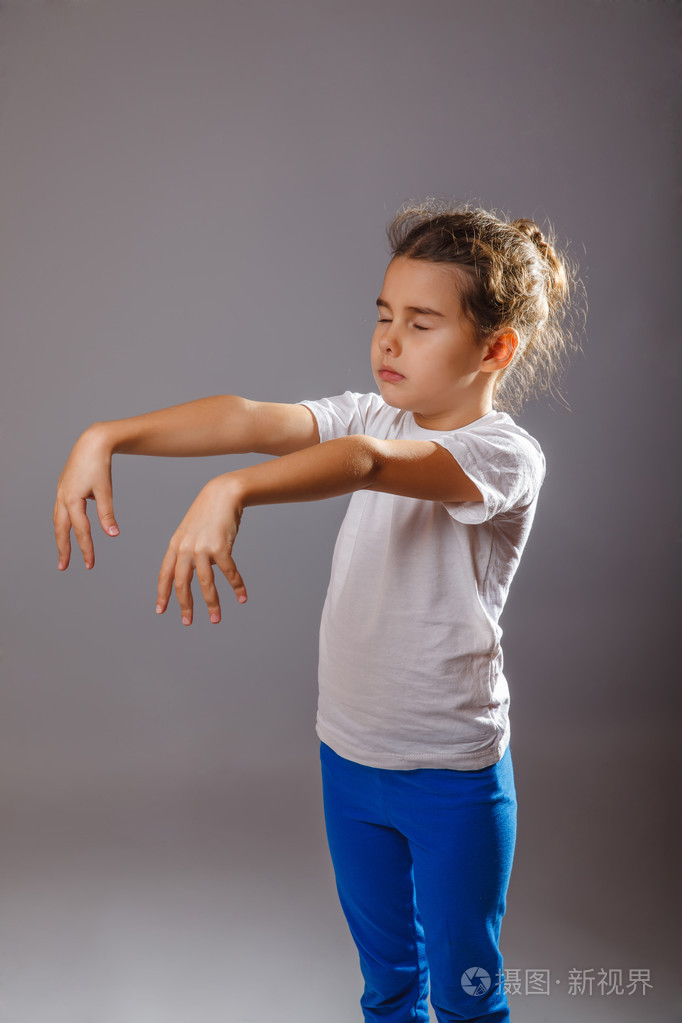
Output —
(416, 282)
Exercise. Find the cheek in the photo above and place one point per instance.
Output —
(374, 346)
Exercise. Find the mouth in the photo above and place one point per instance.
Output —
(389, 375)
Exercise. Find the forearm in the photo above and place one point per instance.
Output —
(327, 470)
(208, 426)
(419, 469)
(217, 425)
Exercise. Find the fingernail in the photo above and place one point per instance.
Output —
(60, 565)
(242, 599)
(159, 609)
(185, 620)
(113, 530)
(215, 617)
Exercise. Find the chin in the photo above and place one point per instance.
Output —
(395, 402)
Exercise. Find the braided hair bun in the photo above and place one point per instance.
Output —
(557, 278)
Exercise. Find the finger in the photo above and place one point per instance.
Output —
(225, 563)
(62, 535)
(165, 584)
(204, 570)
(105, 510)
(184, 570)
(81, 528)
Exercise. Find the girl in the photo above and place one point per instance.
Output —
(419, 797)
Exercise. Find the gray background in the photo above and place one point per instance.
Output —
(194, 195)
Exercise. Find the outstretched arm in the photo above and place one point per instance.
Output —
(206, 535)
(221, 424)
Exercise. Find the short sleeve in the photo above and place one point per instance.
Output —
(506, 464)
(345, 414)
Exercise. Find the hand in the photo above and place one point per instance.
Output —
(204, 538)
(86, 476)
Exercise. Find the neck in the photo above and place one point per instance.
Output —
(472, 406)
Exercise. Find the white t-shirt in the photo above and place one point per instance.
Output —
(410, 669)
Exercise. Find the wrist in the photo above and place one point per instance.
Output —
(231, 489)
(101, 436)
(119, 436)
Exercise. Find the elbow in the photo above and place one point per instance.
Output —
(371, 459)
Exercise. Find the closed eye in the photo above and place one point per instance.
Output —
(417, 326)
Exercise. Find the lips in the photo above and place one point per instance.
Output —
(389, 375)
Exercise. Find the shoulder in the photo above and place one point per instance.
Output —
(353, 412)
(504, 460)
(498, 434)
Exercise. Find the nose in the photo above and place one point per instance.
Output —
(389, 341)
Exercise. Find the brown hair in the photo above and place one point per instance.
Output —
(511, 275)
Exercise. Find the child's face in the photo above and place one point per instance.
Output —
(425, 355)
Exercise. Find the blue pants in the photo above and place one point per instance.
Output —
(422, 861)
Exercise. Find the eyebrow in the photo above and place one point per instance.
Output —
(422, 310)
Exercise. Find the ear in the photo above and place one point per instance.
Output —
(501, 348)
